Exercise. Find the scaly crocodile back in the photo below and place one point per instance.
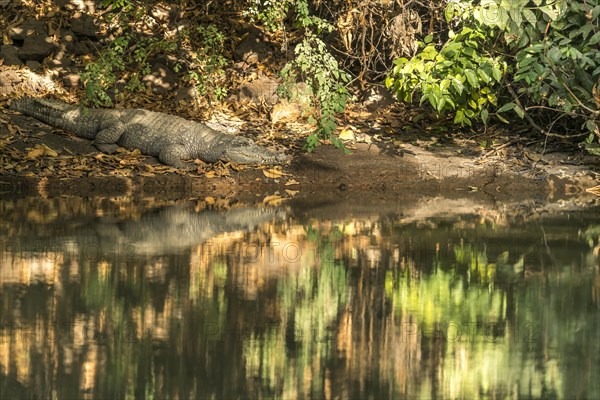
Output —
(55, 113)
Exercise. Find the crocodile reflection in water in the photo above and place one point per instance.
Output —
(169, 230)
(173, 229)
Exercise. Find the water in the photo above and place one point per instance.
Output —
(117, 299)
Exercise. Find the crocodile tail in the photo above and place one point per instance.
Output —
(53, 112)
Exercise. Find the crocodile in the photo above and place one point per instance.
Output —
(170, 138)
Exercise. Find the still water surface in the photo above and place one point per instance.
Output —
(108, 300)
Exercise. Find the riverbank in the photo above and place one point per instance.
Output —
(511, 177)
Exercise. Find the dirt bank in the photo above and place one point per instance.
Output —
(40, 161)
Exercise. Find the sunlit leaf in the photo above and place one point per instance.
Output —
(272, 173)
(273, 200)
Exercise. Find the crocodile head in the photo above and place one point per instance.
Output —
(242, 150)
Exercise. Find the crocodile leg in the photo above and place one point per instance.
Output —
(173, 154)
(107, 138)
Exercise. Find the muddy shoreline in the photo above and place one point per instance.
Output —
(419, 181)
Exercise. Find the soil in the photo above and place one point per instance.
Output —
(435, 178)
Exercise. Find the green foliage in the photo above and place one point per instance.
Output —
(320, 70)
(313, 64)
(101, 75)
(548, 49)
(271, 13)
(127, 59)
(205, 69)
(116, 3)
(459, 77)
(561, 70)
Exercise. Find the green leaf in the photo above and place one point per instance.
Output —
(529, 16)
(496, 73)
(507, 107)
(483, 75)
(501, 118)
(550, 12)
(472, 78)
(594, 39)
(459, 117)
(429, 38)
(457, 85)
(520, 112)
(527, 61)
(484, 115)
(592, 148)
(590, 124)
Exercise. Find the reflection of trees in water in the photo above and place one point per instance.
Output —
(366, 309)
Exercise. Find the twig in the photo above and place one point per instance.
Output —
(533, 123)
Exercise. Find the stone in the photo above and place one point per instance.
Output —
(33, 65)
(81, 5)
(10, 55)
(58, 63)
(284, 112)
(71, 81)
(259, 90)
(85, 25)
(252, 49)
(67, 40)
(186, 93)
(378, 97)
(36, 47)
(31, 27)
(83, 47)
(162, 80)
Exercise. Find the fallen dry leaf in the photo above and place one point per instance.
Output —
(39, 150)
(347, 134)
(292, 182)
(292, 192)
(273, 200)
(272, 173)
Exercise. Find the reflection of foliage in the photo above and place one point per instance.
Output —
(332, 312)
(310, 304)
(592, 235)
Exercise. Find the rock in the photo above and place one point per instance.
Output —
(36, 47)
(83, 47)
(378, 97)
(252, 49)
(285, 112)
(67, 40)
(166, 13)
(34, 65)
(58, 63)
(300, 93)
(71, 81)
(81, 5)
(10, 55)
(258, 91)
(85, 25)
(186, 93)
(162, 80)
(29, 28)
